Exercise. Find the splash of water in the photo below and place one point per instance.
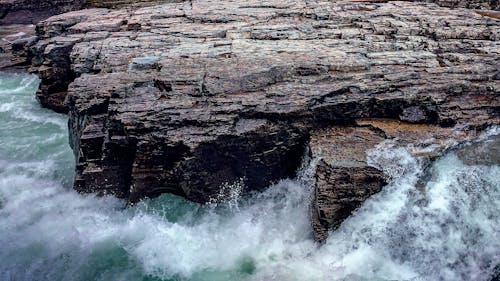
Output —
(49, 232)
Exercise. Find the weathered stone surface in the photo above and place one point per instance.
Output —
(14, 40)
(344, 179)
(185, 97)
(32, 11)
(17, 33)
(122, 3)
(17, 29)
(471, 4)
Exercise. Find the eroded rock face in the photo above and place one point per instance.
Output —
(17, 27)
(14, 40)
(344, 180)
(185, 97)
(17, 35)
(122, 3)
(344, 177)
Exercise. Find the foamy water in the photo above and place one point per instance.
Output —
(447, 231)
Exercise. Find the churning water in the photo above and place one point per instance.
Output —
(446, 230)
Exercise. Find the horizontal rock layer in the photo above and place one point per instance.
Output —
(471, 4)
(32, 11)
(186, 97)
(122, 3)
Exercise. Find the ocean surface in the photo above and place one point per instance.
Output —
(447, 230)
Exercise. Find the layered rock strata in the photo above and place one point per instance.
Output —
(32, 11)
(471, 4)
(123, 3)
(17, 27)
(185, 97)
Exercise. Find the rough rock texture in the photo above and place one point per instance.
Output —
(344, 178)
(32, 11)
(17, 30)
(122, 3)
(471, 4)
(185, 97)
(14, 43)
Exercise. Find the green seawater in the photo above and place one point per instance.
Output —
(50, 232)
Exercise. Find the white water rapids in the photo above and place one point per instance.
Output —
(448, 231)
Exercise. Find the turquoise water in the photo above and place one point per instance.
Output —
(50, 232)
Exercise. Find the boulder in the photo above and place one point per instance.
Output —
(344, 176)
(344, 180)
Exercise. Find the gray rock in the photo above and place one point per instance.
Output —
(32, 11)
(144, 63)
(483, 152)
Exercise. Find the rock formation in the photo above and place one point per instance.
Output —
(471, 4)
(345, 179)
(32, 11)
(17, 29)
(187, 97)
(14, 43)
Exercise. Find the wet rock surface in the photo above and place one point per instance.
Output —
(188, 97)
(344, 176)
(344, 180)
(484, 152)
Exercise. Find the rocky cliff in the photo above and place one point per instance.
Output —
(189, 97)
